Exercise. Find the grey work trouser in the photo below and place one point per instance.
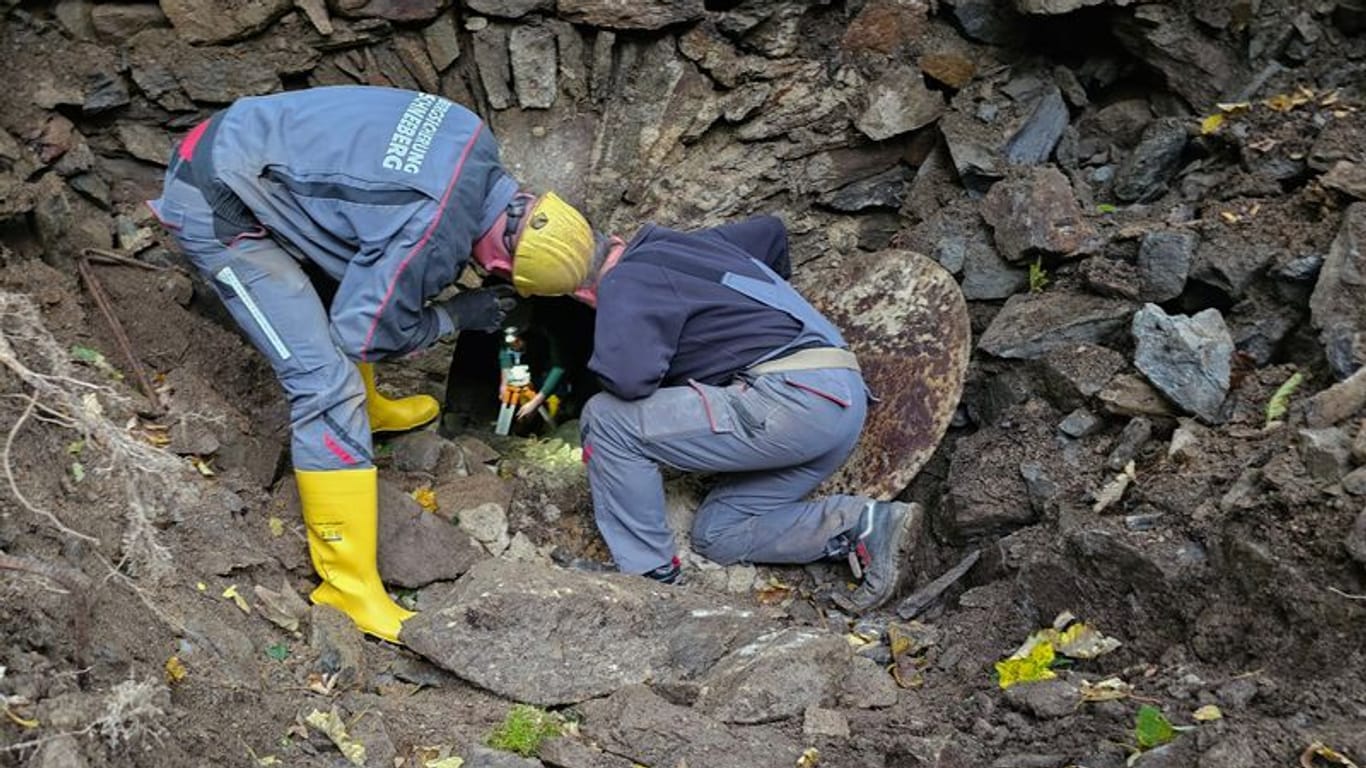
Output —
(278, 309)
(776, 437)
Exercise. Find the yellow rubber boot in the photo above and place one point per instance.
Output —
(401, 415)
(341, 512)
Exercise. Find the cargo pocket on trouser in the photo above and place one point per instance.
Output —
(680, 412)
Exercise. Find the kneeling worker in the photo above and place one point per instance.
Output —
(390, 193)
(712, 362)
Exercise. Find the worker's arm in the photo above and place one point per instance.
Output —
(410, 245)
(380, 309)
(639, 319)
(764, 238)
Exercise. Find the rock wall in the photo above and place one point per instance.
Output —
(1053, 154)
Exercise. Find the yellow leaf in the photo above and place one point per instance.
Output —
(454, 761)
(1234, 107)
(202, 466)
(810, 758)
(1284, 102)
(268, 760)
(175, 670)
(201, 586)
(277, 526)
(1211, 124)
(1033, 666)
(1208, 713)
(1229, 216)
(773, 592)
(232, 594)
(28, 723)
(855, 641)
(425, 498)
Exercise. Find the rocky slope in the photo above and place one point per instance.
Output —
(1154, 211)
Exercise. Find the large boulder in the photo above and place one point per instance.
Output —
(548, 636)
(1188, 358)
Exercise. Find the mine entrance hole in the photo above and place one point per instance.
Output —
(555, 332)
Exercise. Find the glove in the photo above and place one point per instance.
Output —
(483, 309)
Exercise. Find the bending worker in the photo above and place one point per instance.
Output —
(711, 362)
(390, 193)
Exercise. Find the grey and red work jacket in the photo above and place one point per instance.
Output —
(385, 190)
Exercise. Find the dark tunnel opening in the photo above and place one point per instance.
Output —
(556, 332)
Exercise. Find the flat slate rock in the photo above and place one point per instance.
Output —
(1029, 325)
(639, 14)
(775, 677)
(637, 723)
(548, 636)
(1336, 306)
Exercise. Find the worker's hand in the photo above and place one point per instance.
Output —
(483, 309)
(531, 406)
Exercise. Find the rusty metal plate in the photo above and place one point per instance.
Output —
(905, 318)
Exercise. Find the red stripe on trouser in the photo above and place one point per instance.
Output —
(337, 450)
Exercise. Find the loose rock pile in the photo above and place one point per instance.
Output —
(1154, 210)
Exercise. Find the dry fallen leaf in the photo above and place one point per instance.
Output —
(810, 758)
(1114, 490)
(1310, 758)
(1109, 689)
(1207, 713)
(283, 607)
(322, 684)
(331, 725)
(425, 498)
(773, 592)
(175, 670)
(232, 594)
(202, 466)
(27, 723)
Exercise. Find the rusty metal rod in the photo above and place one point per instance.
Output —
(101, 299)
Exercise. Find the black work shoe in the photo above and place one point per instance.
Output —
(669, 573)
(878, 548)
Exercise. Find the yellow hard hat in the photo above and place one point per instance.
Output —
(554, 249)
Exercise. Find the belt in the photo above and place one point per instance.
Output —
(809, 359)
